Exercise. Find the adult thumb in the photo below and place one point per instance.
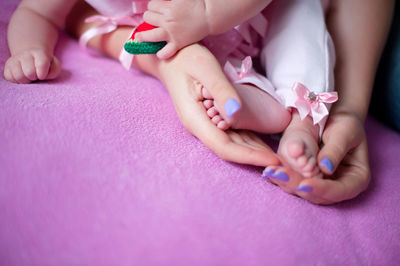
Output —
(208, 71)
(338, 141)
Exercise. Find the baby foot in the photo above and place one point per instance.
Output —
(259, 111)
(212, 110)
(299, 147)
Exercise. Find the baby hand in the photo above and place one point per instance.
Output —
(179, 22)
(31, 65)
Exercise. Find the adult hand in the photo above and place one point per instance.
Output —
(184, 75)
(343, 158)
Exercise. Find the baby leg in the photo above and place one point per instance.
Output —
(298, 48)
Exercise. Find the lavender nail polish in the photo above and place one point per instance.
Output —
(268, 173)
(304, 188)
(281, 176)
(327, 163)
(231, 106)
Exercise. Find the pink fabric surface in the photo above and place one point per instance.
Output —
(96, 169)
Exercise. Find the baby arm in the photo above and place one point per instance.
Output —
(184, 22)
(32, 36)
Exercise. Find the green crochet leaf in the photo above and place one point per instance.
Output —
(134, 47)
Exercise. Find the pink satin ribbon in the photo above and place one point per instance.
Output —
(235, 75)
(312, 103)
(110, 23)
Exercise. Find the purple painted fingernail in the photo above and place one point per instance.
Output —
(267, 173)
(281, 176)
(304, 188)
(231, 106)
(327, 163)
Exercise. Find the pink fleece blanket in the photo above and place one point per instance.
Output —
(96, 169)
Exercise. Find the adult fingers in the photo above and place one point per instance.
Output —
(209, 72)
(353, 177)
(240, 149)
(232, 146)
(283, 176)
(228, 145)
(338, 139)
(252, 139)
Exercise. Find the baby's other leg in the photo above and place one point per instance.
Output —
(298, 48)
(260, 112)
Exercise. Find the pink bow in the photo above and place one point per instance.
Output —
(245, 69)
(310, 102)
(109, 24)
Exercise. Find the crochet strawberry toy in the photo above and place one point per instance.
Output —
(133, 46)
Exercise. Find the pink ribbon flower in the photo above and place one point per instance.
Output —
(310, 102)
(108, 25)
(234, 75)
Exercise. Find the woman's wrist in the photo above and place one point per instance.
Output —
(339, 109)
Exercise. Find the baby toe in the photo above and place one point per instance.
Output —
(302, 161)
(310, 165)
(206, 94)
(212, 112)
(208, 104)
(295, 148)
(223, 125)
(216, 119)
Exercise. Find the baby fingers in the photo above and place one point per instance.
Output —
(154, 35)
(153, 18)
(8, 75)
(16, 71)
(27, 64)
(30, 66)
(42, 65)
(158, 6)
(55, 68)
(169, 50)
